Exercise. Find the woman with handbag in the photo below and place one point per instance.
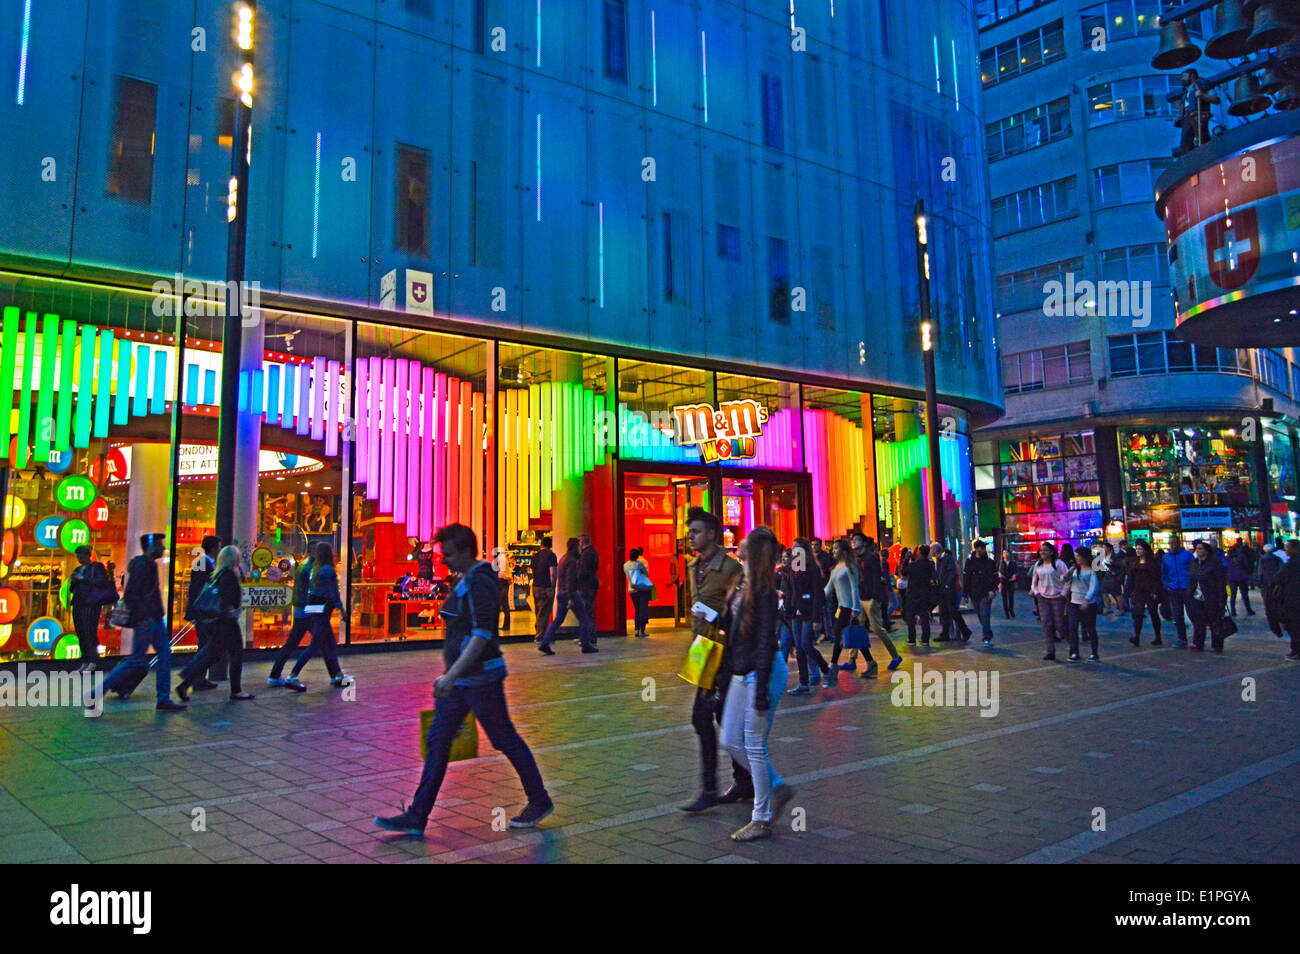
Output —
(1144, 591)
(219, 604)
(1207, 598)
(639, 590)
(322, 598)
(91, 589)
(804, 606)
(758, 677)
(843, 586)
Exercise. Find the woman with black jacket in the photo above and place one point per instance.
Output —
(919, 597)
(804, 603)
(225, 633)
(1207, 596)
(758, 675)
(322, 598)
(1007, 573)
(90, 589)
(1145, 589)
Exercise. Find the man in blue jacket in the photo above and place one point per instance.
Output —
(1173, 571)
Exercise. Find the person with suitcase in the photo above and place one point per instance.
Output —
(144, 607)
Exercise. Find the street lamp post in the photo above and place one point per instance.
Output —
(927, 352)
(237, 225)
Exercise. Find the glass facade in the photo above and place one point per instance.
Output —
(1050, 493)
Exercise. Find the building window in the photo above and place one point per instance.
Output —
(1035, 206)
(1121, 19)
(1045, 368)
(130, 165)
(773, 112)
(1272, 370)
(1126, 182)
(480, 26)
(1135, 263)
(1159, 352)
(817, 99)
(778, 279)
(1138, 98)
(989, 12)
(1023, 54)
(883, 20)
(1030, 281)
(616, 40)
(728, 243)
(1028, 129)
(412, 207)
(418, 7)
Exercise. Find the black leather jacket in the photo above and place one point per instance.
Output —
(753, 651)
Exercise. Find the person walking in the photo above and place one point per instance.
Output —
(90, 589)
(639, 588)
(472, 682)
(200, 573)
(1207, 596)
(1239, 570)
(1144, 584)
(1281, 595)
(301, 621)
(1008, 573)
(1085, 594)
(843, 586)
(143, 597)
(711, 577)
(1174, 567)
(948, 574)
(567, 596)
(805, 607)
(825, 563)
(758, 677)
(224, 634)
(874, 593)
(588, 585)
(1270, 564)
(1050, 588)
(322, 599)
(543, 567)
(918, 594)
(981, 579)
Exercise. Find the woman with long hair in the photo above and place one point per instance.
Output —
(1085, 594)
(843, 586)
(1007, 574)
(225, 634)
(804, 607)
(322, 598)
(639, 589)
(758, 677)
(1145, 591)
(1050, 587)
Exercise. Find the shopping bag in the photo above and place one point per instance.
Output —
(857, 637)
(464, 746)
(702, 662)
(120, 616)
(1223, 627)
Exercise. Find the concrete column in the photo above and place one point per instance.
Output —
(248, 448)
(566, 495)
(149, 498)
(909, 514)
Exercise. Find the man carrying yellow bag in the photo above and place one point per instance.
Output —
(474, 684)
(710, 579)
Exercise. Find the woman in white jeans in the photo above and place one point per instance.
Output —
(758, 677)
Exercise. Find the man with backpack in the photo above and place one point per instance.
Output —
(199, 576)
(949, 579)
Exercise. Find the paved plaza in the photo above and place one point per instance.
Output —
(1158, 740)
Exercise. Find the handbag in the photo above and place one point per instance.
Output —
(1223, 627)
(207, 605)
(857, 637)
(464, 746)
(120, 618)
(702, 662)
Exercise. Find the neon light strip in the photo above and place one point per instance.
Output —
(104, 382)
(256, 397)
(360, 397)
(539, 34)
(67, 365)
(523, 422)
(455, 450)
(704, 63)
(85, 388)
(386, 438)
(439, 449)
(602, 254)
(45, 396)
(318, 399)
(547, 469)
(22, 53)
(315, 201)
(956, 84)
(467, 447)
(25, 393)
(654, 63)
(401, 422)
(332, 420)
(535, 451)
(477, 427)
(122, 386)
(426, 454)
(302, 424)
(937, 87)
(539, 167)
(286, 399)
(140, 399)
(510, 439)
(375, 404)
(273, 400)
(412, 478)
(8, 344)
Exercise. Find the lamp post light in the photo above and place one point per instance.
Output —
(927, 353)
(237, 232)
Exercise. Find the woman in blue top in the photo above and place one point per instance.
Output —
(322, 598)
(843, 585)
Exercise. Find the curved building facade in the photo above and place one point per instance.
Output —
(507, 256)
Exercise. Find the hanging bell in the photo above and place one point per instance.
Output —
(1176, 50)
(1288, 97)
(1231, 29)
(1270, 29)
(1247, 100)
(1271, 80)
(1289, 53)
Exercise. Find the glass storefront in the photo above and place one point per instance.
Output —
(368, 437)
(1050, 493)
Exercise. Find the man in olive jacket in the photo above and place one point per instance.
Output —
(710, 579)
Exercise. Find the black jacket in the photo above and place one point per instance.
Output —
(1206, 580)
(753, 651)
(981, 576)
(1009, 571)
(920, 582)
(588, 566)
(566, 575)
(946, 571)
(804, 595)
(870, 584)
(143, 596)
(90, 587)
(1282, 593)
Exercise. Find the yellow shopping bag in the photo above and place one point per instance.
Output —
(702, 662)
(464, 746)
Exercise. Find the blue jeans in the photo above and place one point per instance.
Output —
(488, 703)
(323, 642)
(806, 652)
(149, 633)
(586, 625)
(983, 610)
(640, 609)
(1177, 605)
(745, 731)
